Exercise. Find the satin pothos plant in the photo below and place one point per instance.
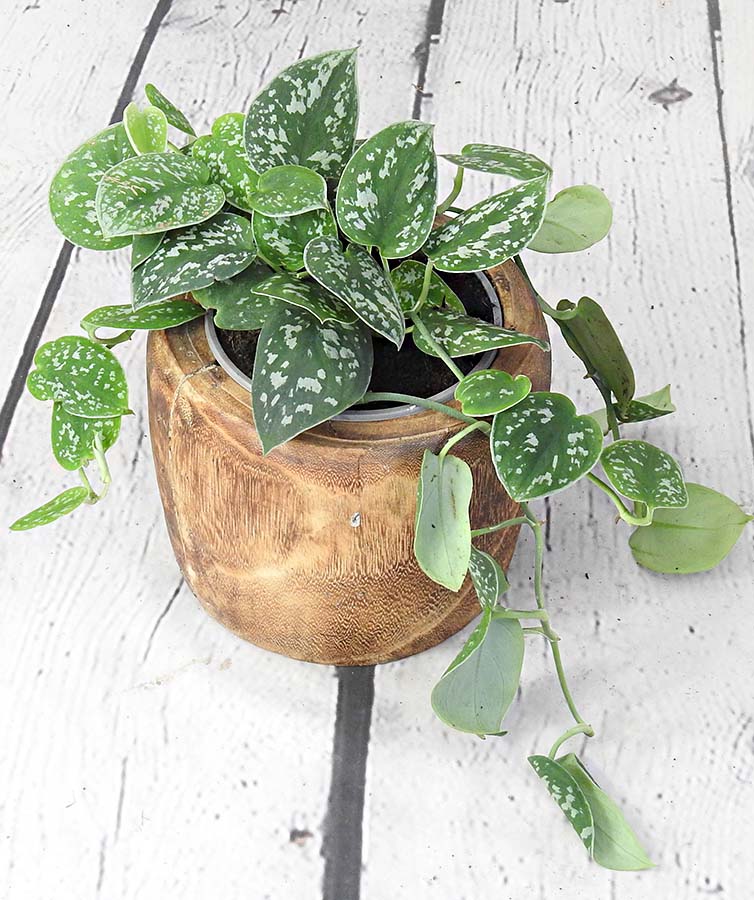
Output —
(281, 221)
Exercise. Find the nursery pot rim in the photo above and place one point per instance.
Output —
(365, 415)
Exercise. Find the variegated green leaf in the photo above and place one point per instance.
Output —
(575, 218)
(147, 128)
(151, 318)
(499, 161)
(224, 154)
(358, 281)
(281, 239)
(306, 373)
(540, 446)
(306, 294)
(490, 391)
(644, 474)
(289, 191)
(442, 536)
(74, 188)
(408, 279)
(238, 307)
(82, 375)
(59, 506)
(143, 246)
(388, 192)
(488, 578)
(192, 258)
(566, 792)
(640, 409)
(156, 192)
(306, 116)
(174, 116)
(73, 436)
(462, 335)
(490, 232)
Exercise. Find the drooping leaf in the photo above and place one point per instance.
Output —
(615, 844)
(408, 279)
(491, 231)
(192, 258)
(143, 246)
(82, 375)
(156, 192)
(147, 128)
(224, 154)
(73, 436)
(388, 193)
(694, 539)
(480, 684)
(306, 373)
(238, 307)
(306, 116)
(281, 239)
(306, 294)
(576, 218)
(566, 792)
(174, 116)
(461, 335)
(490, 391)
(644, 474)
(442, 536)
(540, 446)
(488, 578)
(167, 314)
(640, 409)
(74, 188)
(359, 282)
(59, 506)
(499, 161)
(289, 191)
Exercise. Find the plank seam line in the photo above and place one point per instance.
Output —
(432, 31)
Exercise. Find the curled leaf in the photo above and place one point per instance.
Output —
(488, 578)
(461, 335)
(224, 155)
(174, 116)
(640, 409)
(306, 294)
(147, 129)
(500, 161)
(575, 219)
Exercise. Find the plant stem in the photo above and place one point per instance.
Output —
(455, 191)
(508, 523)
(385, 264)
(390, 397)
(104, 469)
(623, 510)
(459, 436)
(439, 351)
(426, 282)
(92, 498)
(612, 419)
(571, 732)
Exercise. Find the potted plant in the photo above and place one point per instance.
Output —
(349, 392)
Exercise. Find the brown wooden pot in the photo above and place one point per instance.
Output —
(271, 545)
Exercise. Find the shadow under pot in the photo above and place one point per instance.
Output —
(309, 551)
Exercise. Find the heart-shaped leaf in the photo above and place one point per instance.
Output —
(442, 537)
(359, 282)
(156, 192)
(488, 578)
(644, 474)
(541, 445)
(74, 188)
(491, 231)
(480, 684)
(694, 539)
(82, 375)
(640, 409)
(306, 373)
(461, 335)
(289, 191)
(388, 193)
(282, 239)
(238, 307)
(147, 129)
(143, 246)
(408, 279)
(174, 116)
(306, 116)
(73, 436)
(152, 318)
(59, 506)
(490, 391)
(306, 294)
(615, 844)
(224, 154)
(499, 161)
(566, 792)
(192, 258)
(575, 218)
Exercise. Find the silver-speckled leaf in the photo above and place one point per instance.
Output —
(224, 154)
(306, 373)
(307, 295)
(59, 506)
(568, 795)
(461, 335)
(640, 409)
(289, 191)
(488, 578)
(73, 436)
(82, 375)
(644, 474)
(306, 116)
(490, 391)
(575, 219)
(143, 246)
(151, 318)
(358, 281)
(147, 128)
(541, 445)
(74, 188)
(408, 279)
(237, 306)
(192, 258)
(174, 116)
(499, 161)
(156, 192)
(388, 193)
(491, 231)
(282, 239)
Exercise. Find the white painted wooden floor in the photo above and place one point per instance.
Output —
(147, 754)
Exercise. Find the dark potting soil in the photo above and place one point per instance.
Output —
(405, 371)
